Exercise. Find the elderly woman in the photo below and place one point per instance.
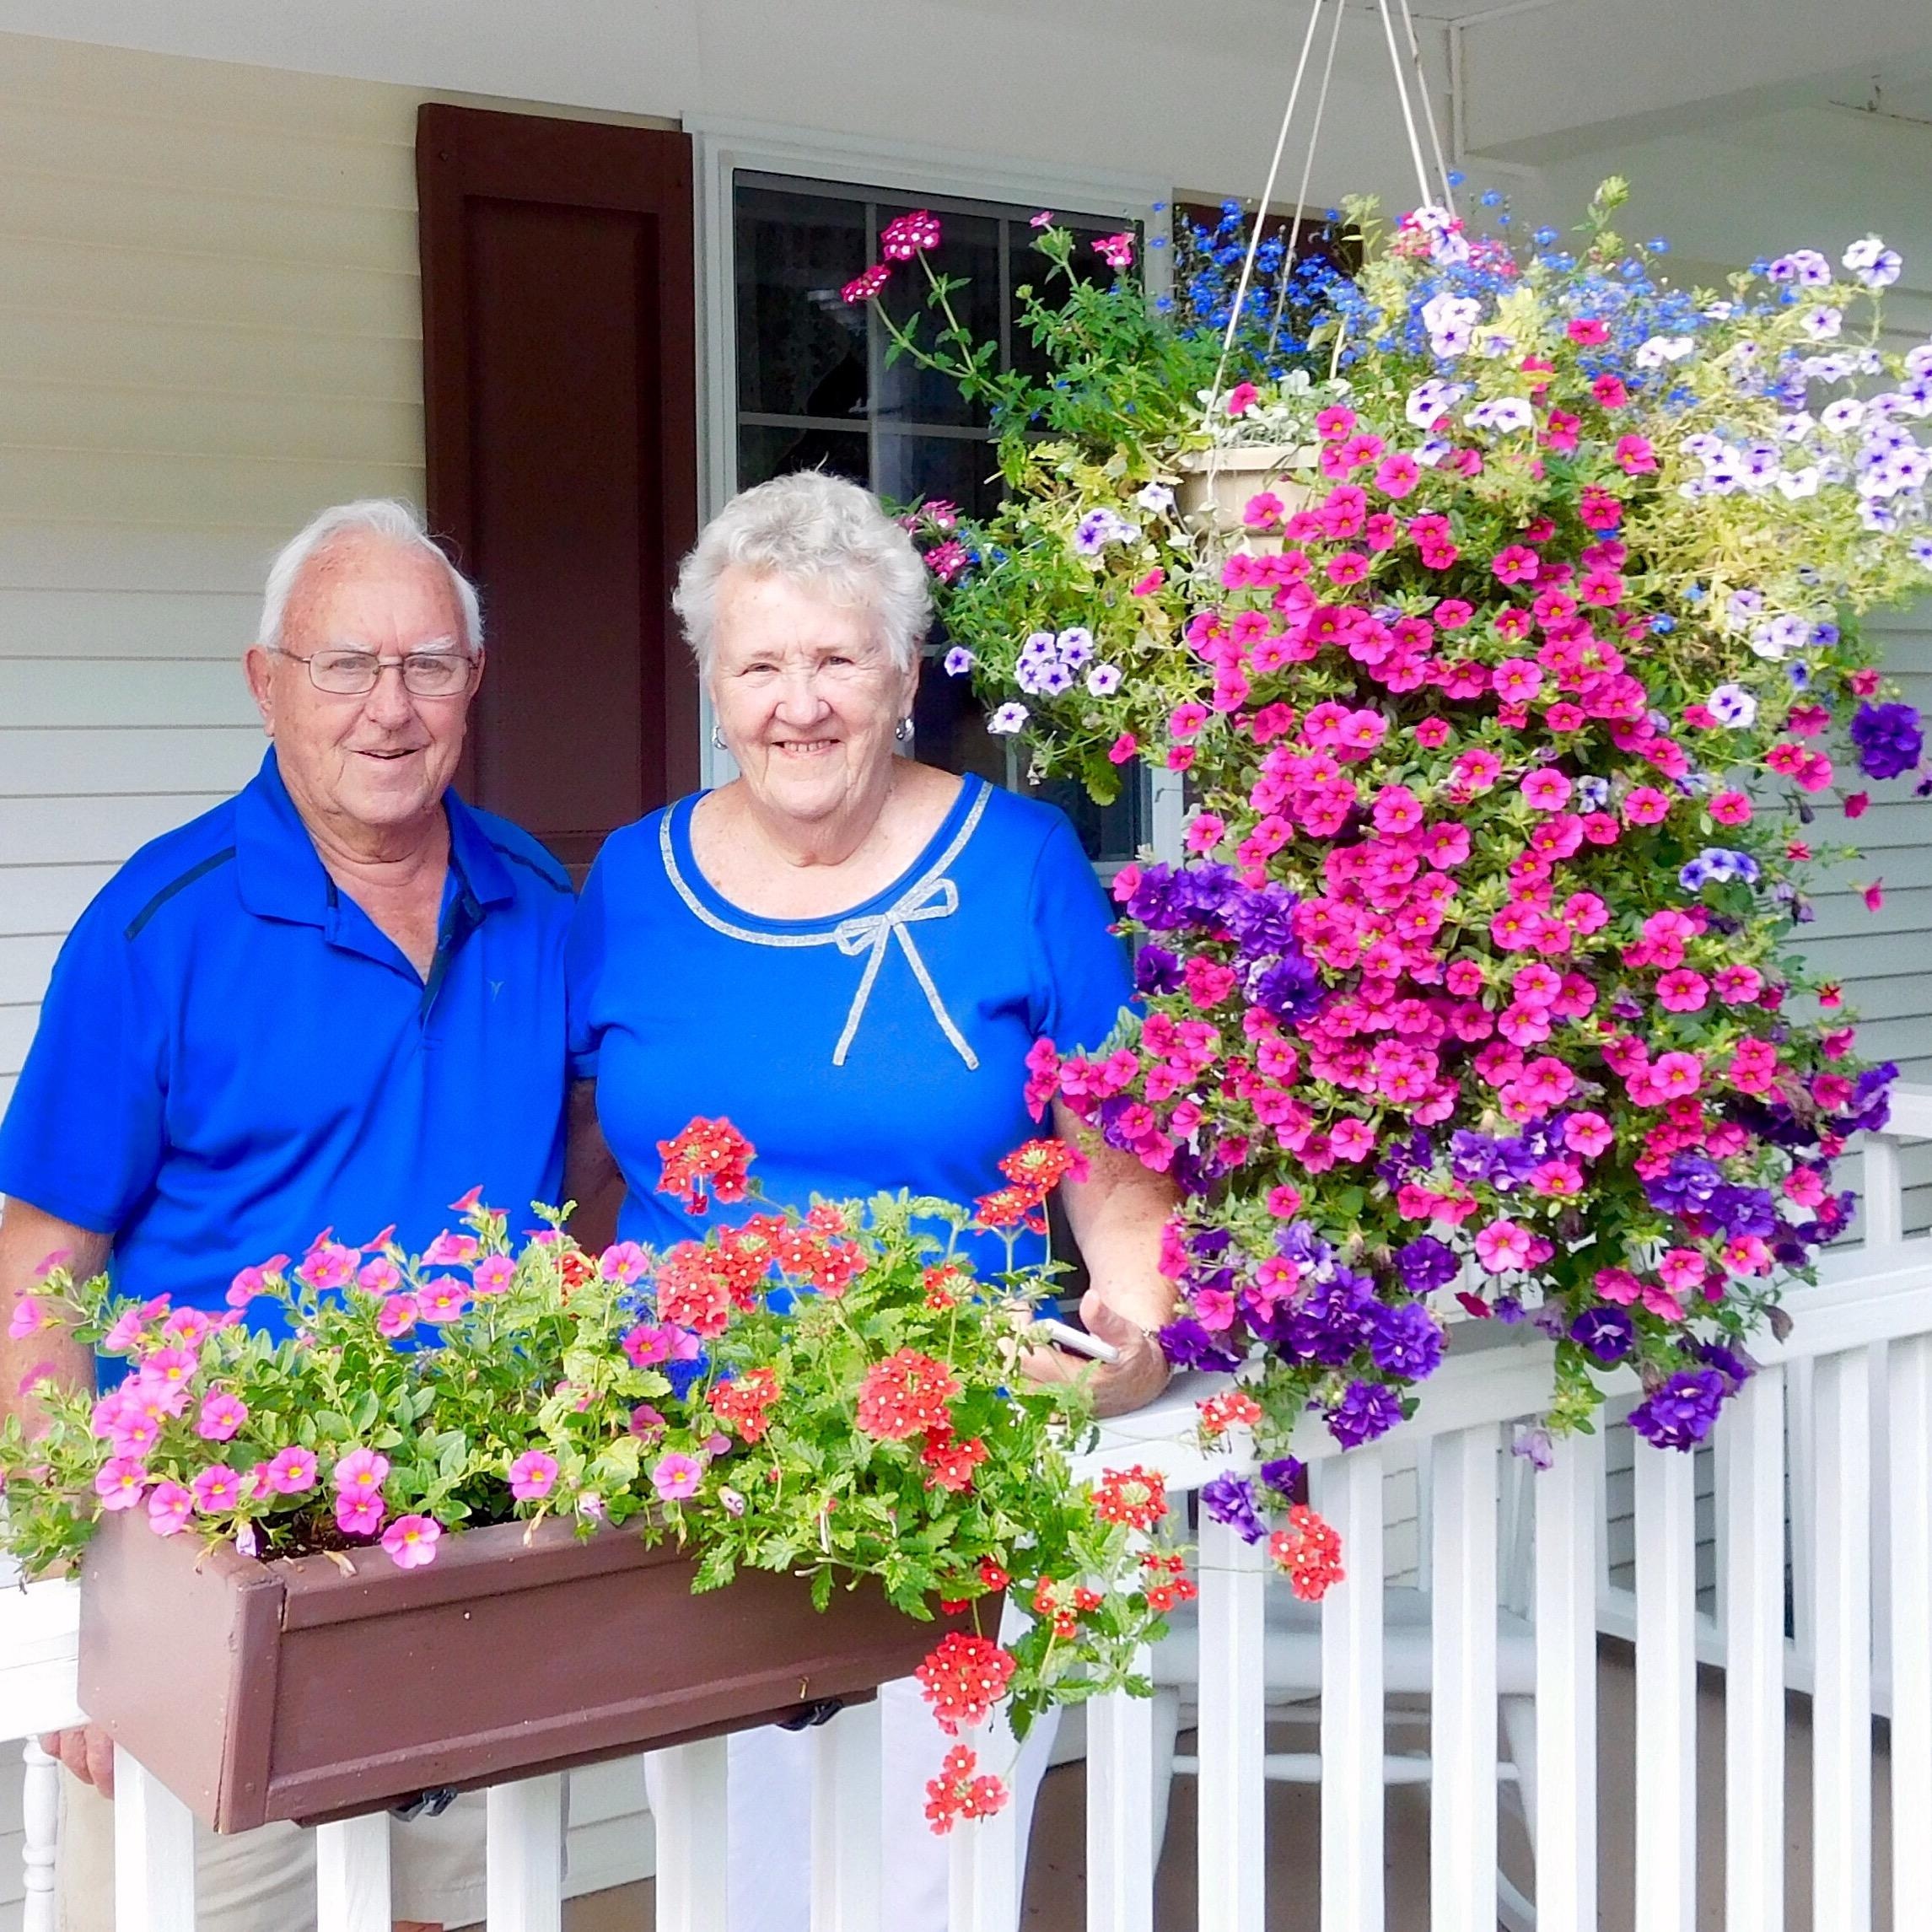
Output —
(848, 954)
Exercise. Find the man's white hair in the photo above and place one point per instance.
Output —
(384, 517)
(815, 530)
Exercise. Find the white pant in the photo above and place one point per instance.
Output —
(265, 1880)
(768, 1866)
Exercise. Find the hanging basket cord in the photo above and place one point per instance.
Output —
(1437, 193)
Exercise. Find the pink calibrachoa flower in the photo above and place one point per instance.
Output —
(380, 1276)
(410, 1541)
(327, 1265)
(532, 1476)
(361, 1472)
(675, 1475)
(167, 1369)
(168, 1507)
(493, 1274)
(251, 1282)
(1502, 1247)
(216, 1490)
(222, 1415)
(27, 1318)
(291, 1471)
(1682, 991)
(443, 1300)
(360, 1513)
(1738, 985)
(119, 1482)
(1546, 790)
(1588, 1133)
(1646, 805)
(624, 1263)
(1730, 808)
(396, 1316)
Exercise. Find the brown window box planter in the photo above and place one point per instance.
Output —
(293, 1689)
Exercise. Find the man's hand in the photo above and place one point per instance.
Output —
(87, 1752)
(1131, 1382)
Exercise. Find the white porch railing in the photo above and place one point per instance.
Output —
(1842, 1412)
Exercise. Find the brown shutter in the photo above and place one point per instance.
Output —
(559, 379)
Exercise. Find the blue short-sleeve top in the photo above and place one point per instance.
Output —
(233, 1056)
(878, 1048)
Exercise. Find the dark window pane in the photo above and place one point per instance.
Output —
(1107, 833)
(801, 349)
(963, 471)
(969, 246)
(1033, 269)
(949, 727)
(764, 452)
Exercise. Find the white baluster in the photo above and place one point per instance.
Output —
(1462, 1694)
(985, 1876)
(1120, 1808)
(40, 1811)
(688, 1796)
(1232, 1834)
(1883, 1197)
(153, 1853)
(523, 1854)
(847, 1833)
(1666, 1689)
(1841, 1709)
(1568, 1566)
(1910, 1454)
(352, 1876)
(1353, 1743)
(1752, 1461)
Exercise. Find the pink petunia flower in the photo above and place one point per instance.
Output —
(410, 1541)
(676, 1475)
(1502, 1247)
(222, 1415)
(362, 1472)
(291, 1471)
(216, 1490)
(443, 1300)
(1587, 1133)
(1546, 790)
(379, 1276)
(493, 1274)
(359, 1513)
(1682, 990)
(1241, 398)
(396, 1316)
(168, 1507)
(119, 1482)
(532, 1476)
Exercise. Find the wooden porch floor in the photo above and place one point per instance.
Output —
(1055, 1900)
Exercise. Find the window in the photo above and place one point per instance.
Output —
(813, 391)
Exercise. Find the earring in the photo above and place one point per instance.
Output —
(903, 730)
(717, 738)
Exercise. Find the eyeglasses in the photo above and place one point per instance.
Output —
(343, 671)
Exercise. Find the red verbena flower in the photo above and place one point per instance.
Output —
(962, 1678)
(708, 1151)
(1310, 1551)
(1039, 1166)
(1134, 1498)
(950, 1461)
(743, 1402)
(961, 1791)
(905, 1395)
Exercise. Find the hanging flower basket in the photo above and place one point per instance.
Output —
(1218, 488)
(311, 1688)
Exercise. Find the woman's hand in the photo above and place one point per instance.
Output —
(1131, 1382)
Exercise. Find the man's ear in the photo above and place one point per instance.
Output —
(259, 672)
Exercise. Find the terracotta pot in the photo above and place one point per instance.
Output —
(1216, 485)
(293, 1689)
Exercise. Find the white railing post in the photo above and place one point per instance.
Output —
(1568, 1562)
(847, 1821)
(985, 1878)
(1462, 1694)
(1121, 1850)
(688, 1797)
(1883, 1195)
(1353, 1729)
(1665, 1481)
(1752, 1594)
(153, 1853)
(352, 1875)
(523, 1845)
(1231, 1836)
(1910, 1367)
(1841, 1709)
(40, 1811)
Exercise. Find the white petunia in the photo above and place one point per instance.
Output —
(1501, 413)
(1732, 704)
(1155, 496)
(1008, 719)
(1103, 680)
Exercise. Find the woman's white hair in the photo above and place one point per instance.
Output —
(383, 517)
(813, 530)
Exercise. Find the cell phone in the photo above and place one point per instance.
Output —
(1063, 1335)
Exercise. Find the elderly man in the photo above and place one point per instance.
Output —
(335, 1000)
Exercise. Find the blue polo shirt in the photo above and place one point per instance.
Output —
(233, 1056)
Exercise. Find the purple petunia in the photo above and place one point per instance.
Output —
(1283, 1476)
(1679, 1415)
(1230, 1499)
(1406, 1341)
(1606, 1332)
(1889, 739)
(1366, 1411)
(1426, 1263)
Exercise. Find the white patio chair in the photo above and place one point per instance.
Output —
(1292, 1669)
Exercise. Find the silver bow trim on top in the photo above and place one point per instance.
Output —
(931, 899)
